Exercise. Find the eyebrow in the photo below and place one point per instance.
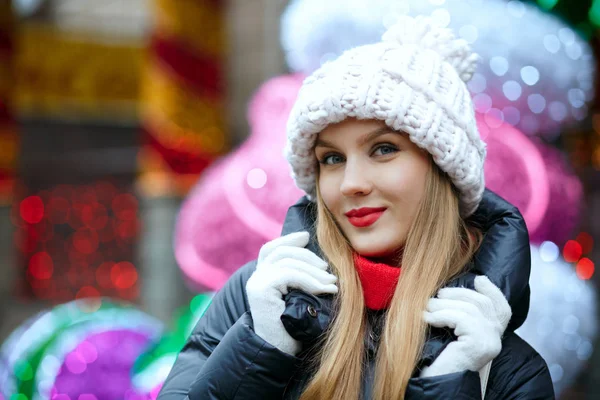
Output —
(363, 140)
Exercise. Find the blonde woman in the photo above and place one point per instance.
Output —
(398, 275)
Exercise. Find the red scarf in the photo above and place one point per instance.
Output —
(378, 281)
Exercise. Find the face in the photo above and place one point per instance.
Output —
(372, 179)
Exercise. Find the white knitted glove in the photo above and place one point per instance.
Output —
(282, 264)
(478, 317)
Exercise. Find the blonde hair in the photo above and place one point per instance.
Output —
(438, 247)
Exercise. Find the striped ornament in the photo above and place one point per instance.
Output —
(183, 92)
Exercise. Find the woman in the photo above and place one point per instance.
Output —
(384, 142)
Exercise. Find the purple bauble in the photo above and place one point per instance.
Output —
(99, 368)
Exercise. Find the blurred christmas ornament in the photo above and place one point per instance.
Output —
(82, 348)
(534, 177)
(562, 323)
(314, 32)
(515, 169)
(153, 366)
(566, 198)
(241, 201)
(535, 73)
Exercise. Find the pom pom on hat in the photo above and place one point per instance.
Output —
(423, 32)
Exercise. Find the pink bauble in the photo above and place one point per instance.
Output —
(155, 392)
(533, 176)
(241, 201)
(515, 169)
(566, 198)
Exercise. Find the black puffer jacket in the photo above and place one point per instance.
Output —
(225, 359)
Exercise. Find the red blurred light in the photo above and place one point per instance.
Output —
(44, 289)
(123, 275)
(585, 268)
(87, 291)
(25, 242)
(103, 275)
(126, 229)
(43, 232)
(86, 241)
(90, 297)
(94, 215)
(65, 191)
(32, 209)
(106, 191)
(107, 234)
(125, 207)
(586, 241)
(130, 294)
(75, 217)
(572, 251)
(41, 266)
(58, 210)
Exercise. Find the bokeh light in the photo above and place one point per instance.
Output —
(562, 323)
(32, 209)
(585, 268)
(67, 235)
(572, 251)
(538, 65)
(586, 241)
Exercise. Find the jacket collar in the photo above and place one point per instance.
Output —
(504, 255)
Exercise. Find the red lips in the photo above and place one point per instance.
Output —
(363, 217)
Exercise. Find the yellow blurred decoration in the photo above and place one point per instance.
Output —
(178, 117)
(72, 74)
(183, 96)
(199, 23)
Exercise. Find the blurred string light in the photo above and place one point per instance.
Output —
(537, 91)
(76, 241)
(562, 323)
(76, 349)
(574, 252)
(153, 366)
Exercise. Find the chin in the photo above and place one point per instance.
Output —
(379, 250)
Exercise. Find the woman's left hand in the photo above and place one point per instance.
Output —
(478, 317)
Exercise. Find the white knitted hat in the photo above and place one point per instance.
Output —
(415, 81)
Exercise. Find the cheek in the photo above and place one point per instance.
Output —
(329, 192)
(410, 183)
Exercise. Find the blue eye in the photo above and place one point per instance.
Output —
(385, 149)
(332, 159)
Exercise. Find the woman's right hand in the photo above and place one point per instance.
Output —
(282, 264)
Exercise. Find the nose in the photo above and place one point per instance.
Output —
(355, 181)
